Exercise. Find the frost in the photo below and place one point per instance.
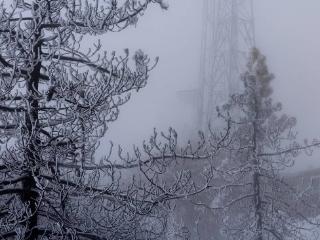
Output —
(163, 4)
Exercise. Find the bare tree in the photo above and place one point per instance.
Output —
(56, 100)
(258, 203)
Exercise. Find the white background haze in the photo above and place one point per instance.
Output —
(287, 32)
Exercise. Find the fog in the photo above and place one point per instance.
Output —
(56, 97)
(287, 33)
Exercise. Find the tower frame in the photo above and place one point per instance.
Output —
(227, 36)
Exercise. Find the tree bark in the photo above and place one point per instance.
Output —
(32, 157)
(256, 173)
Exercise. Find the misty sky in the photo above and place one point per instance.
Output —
(287, 32)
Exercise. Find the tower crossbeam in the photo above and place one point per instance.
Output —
(228, 34)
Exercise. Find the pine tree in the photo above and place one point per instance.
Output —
(57, 98)
(258, 203)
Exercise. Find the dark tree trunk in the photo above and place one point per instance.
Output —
(32, 156)
(257, 205)
(256, 174)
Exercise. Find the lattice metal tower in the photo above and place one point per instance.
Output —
(228, 35)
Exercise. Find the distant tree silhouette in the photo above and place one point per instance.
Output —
(257, 202)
